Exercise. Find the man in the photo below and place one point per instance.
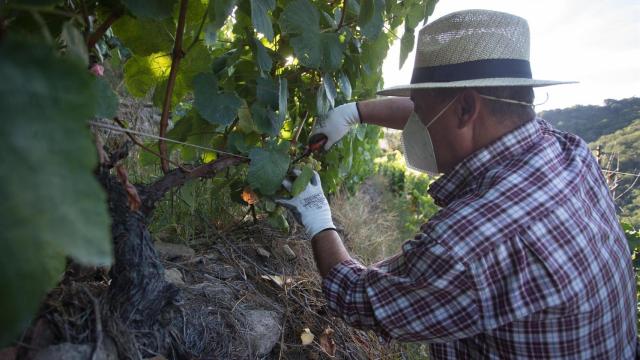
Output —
(526, 258)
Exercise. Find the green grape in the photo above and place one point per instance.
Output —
(313, 163)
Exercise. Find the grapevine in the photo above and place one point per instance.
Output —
(246, 77)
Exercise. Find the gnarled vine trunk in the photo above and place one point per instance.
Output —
(140, 300)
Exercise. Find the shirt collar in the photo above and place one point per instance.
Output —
(451, 186)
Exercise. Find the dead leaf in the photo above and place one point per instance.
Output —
(279, 280)
(327, 343)
(249, 196)
(306, 337)
(132, 193)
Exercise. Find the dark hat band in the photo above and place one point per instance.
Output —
(471, 70)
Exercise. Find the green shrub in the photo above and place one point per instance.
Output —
(409, 188)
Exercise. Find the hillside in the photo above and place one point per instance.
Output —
(624, 145)
(591, 121)
(615, 128)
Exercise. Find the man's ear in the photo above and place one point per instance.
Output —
(468, 108)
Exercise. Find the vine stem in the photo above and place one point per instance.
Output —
(85, 18)
(197, 37)
(176, 57)
(145, 148)
(177, 177)
(344, 11)
(96, 35)
(300, 127)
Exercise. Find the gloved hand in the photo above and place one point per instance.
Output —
(337, 123)
(310, 207)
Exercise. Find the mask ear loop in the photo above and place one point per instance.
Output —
(441, 112)
(546, 98)
(515, 101)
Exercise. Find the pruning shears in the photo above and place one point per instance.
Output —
(316, 143)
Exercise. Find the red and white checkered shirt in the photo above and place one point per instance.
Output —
(526, 259)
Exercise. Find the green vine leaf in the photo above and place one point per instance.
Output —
(329, 88)
(345, 85)
(197, 60)
(107, 100)
(265, 120)
(40, 2)
(267, 169)
(430, 5)
(318, 50)
(52, 206)
(300, 17)
(283, 94)
(373, 27)
(139, 77)
(265, 63)
(414, 14)
(314, 49)
(74, 41)
(237, 142)
(189, 125)
(366, 11)
(277, 220)
(219, 11)
(322, 103)
(214, 106)
(301, 182)
(155, 9)
(260, 17)
(267, 92)
(406, 44)
(134, 33)
(245, 121)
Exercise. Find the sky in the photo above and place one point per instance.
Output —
(594, 42)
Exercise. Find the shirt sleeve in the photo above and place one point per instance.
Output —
(421, 294)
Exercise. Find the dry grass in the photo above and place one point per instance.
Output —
(371, 227)
(373, 231)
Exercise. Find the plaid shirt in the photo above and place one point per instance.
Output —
(526, 259)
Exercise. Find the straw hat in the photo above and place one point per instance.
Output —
(472, 48)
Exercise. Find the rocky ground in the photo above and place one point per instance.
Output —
(250, 293)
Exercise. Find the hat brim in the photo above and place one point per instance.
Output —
(405, 90)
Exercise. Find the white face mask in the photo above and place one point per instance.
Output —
(419, 153)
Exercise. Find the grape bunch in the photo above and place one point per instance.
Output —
(312, 163)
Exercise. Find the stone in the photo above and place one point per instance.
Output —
(41, 336)
(262, 330)
(225, 272)
(262, 252)
(170, 251)
(65, 351)
(69, 351)
(288, 252)
(214, 290)
(109, 349)
(173, 276)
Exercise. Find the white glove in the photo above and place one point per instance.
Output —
(310, 207)
(337, 123)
